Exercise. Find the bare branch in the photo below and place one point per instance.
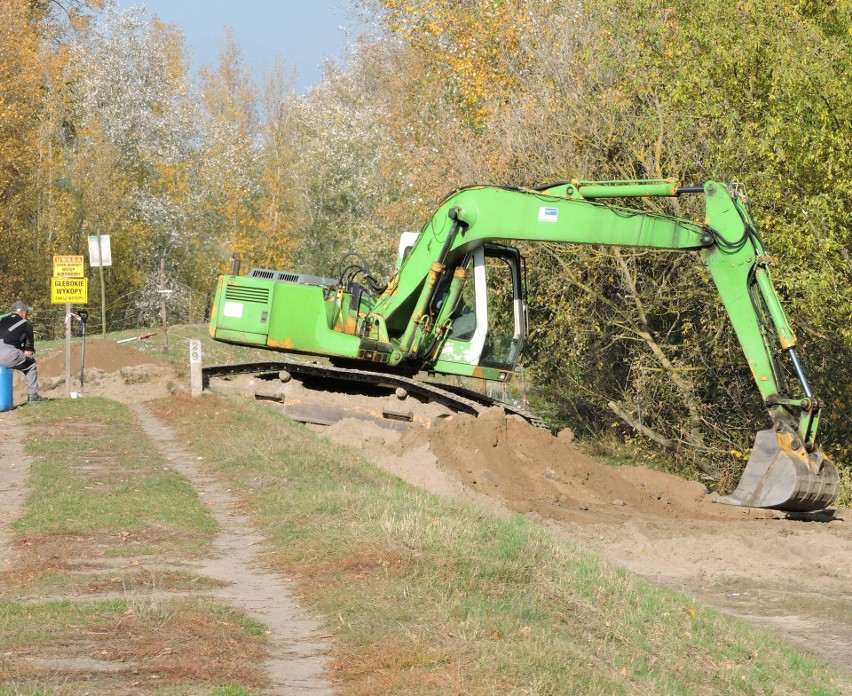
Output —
(661, 440)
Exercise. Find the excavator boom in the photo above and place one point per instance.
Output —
(437, 313)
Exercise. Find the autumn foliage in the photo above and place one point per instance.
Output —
(104, 129)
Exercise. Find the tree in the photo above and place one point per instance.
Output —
(134, 129)
(228, 170)
(24, 55)
(33, 55)
(467, 43)
(276, 223)
(346, 162)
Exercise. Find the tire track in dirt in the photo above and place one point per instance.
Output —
(14, 469)
(299, 663)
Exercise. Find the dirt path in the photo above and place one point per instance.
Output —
(14, 468)
(299, 662)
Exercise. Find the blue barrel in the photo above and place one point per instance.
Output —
(7, 403)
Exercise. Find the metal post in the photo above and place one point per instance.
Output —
(68, 350)
(84, 317)
(163, 295)
(103, 288)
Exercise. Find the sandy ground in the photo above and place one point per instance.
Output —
(789, 575)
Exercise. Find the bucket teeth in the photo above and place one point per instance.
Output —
(781, 478)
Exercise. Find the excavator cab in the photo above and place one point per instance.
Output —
(488, 327)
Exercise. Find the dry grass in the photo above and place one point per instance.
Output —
(138, 643)
(427, 597)
(96, 603)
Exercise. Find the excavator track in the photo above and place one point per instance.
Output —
(453, 399)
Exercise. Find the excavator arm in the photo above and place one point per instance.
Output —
(786, 469)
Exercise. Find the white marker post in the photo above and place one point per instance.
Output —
(195, 378)
(100, 255)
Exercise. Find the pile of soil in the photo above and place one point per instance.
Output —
(530, 470)
(109, 369)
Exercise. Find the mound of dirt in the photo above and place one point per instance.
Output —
(112, 370)
(787, 574)
(108, 356)
(528, 469)
(531, 470)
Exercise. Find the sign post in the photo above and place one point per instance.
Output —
(68, 286)
(84, 317)
(100, 255)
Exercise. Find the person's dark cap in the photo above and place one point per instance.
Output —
(20, 307)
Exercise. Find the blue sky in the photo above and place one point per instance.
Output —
(302, 33)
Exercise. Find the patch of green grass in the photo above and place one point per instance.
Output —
(95, 471)
(423, 591)
(249, 626)
(38, 621)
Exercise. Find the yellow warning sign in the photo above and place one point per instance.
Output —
(69, 290)
(68, 267)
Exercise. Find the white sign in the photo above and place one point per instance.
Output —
(548, 214)
(233, 310)
(196, 378)
(96, 254)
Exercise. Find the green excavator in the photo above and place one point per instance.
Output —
(456, 306)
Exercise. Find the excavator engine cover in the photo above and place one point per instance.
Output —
(780, 477)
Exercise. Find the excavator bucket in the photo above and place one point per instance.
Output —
(780, 477)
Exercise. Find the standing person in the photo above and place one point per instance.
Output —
(17, 347)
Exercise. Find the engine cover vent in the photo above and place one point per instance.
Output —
(290, 277)
(239, 293)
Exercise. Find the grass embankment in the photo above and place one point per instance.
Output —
(610, 450)
(421, 596)
(88, 594)
(427, 597)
